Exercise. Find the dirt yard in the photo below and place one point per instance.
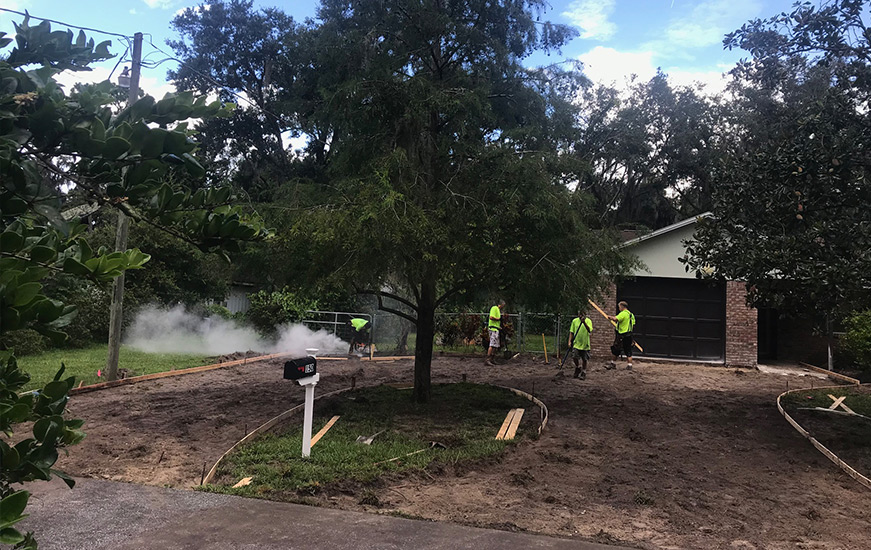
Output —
(667, 456)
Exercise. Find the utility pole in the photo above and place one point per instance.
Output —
(115, 310)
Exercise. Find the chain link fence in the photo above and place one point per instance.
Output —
(455, 332)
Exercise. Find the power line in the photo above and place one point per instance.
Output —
(148, 64)
(26, 14)
(209, 79)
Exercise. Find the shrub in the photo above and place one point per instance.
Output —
(271, 309)
(857, 340)
(24, 342)
(217, 310)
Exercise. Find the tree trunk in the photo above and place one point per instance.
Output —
(425, 336)
(402, 345)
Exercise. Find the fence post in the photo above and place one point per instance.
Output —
(335, 323)
(559, 323)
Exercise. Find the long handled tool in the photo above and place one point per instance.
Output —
(605, 315)
(565, 358)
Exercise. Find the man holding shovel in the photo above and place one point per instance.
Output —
(579, 342)
(623, 342)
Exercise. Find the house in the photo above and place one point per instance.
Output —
(684, 318)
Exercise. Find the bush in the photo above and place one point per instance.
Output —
(217, 310)
(271, 309)
(24, 342)
(857, 340)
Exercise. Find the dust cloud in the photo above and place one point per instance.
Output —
(177, 330)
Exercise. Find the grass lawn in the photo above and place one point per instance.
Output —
(463, 417)
(84, 363)
(858, 399)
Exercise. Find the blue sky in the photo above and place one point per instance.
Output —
(617, 37)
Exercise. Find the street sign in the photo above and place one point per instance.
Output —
(300, 368)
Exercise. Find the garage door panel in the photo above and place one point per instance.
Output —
(678, 318)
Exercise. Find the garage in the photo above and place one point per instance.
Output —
(678, 318)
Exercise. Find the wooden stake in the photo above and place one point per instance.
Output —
(544, 343)
(317, 437)
(203, 475)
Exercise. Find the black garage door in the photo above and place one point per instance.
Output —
(678, 318)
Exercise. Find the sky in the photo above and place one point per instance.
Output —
(617, 38)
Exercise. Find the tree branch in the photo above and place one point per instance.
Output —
(381, 293)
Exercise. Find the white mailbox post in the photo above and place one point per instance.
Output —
(304, 371)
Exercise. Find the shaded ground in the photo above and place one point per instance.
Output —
(849, 437)
(667, 456)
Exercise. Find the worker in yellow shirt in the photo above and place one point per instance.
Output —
(579, 342)
(623, 342)
(494, 327)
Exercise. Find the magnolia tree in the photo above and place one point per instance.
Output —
(124, 159)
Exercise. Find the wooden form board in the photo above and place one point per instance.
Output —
(510, 424)
(831, 374)
(317, 437)
(846, 468)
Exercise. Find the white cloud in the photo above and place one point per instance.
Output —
(133, 11)
(610, 66)
(591, 16)
(161, 4)
(703, 25)
(614, 67)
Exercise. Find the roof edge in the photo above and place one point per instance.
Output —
(667, 229)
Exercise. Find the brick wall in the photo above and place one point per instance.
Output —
(741, 330)
(603, 332)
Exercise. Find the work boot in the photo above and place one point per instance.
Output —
(577, 372)
(611, 365)
(629, 366)
(489, 362)
(583, 375)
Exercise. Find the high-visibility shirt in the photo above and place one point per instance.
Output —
(625, 321)
(581, 334)
(495, 313)
(358, 324)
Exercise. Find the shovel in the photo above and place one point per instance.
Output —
(368, 440)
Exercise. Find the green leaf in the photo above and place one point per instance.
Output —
(42, 254)
(12, 507)
(56, 389)
(75, 267)
(11, 241)
(152, 145)
(115, 147)
(10, 535)
(26, 293)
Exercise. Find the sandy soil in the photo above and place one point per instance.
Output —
(667, 456)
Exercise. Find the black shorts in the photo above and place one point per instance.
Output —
(622, 345)
(361, 336)
(581, 354)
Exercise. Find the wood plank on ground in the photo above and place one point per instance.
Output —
(837, 402)
(505, 424)
(317, 437)
(515, 423)
(843, 405)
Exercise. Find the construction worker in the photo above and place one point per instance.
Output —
(623, 342)
(494, 326)
(579, 342)
(359, 334)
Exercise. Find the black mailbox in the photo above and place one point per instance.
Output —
(300, 368)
